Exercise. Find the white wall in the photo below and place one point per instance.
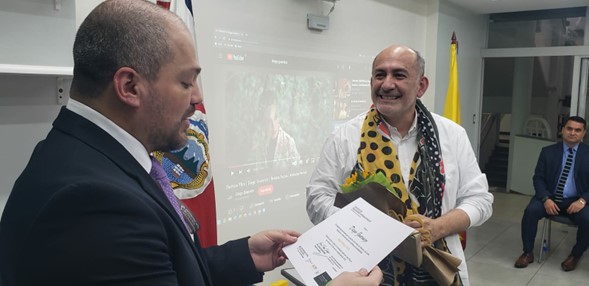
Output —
(470, 32)
(33, 32)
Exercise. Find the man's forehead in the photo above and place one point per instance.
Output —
(392, 63)
(398, 56)
(574, 124)
(397, 52)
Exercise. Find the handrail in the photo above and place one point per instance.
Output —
(488, 119)
(489, 137)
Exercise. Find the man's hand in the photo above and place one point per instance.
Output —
(576, 207)
(429, 226)
(359, 278)
(450, 223)
(551, 207)
(266, 248)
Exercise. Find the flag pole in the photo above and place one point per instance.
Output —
(452, 106)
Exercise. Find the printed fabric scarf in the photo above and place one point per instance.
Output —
(377, 153)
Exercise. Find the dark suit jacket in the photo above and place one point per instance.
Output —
(548, 169)
(84, 212)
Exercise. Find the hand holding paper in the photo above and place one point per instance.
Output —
(441, 265)
(358, 236)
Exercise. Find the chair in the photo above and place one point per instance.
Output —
(538, 127)
(546, 232)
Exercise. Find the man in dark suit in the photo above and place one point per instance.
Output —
(85, 210)
(561, 182)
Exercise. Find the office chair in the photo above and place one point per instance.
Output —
(547, 230)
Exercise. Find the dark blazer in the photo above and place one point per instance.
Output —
(548, 169)
(84, 212)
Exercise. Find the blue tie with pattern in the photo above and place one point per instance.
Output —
(563, 176)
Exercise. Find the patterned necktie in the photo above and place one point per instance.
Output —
(159, 175)
(563, 176)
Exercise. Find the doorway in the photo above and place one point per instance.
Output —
(525, 99)
(533, 72)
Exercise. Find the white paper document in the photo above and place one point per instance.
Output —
(357, 236)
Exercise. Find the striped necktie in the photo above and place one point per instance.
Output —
(563, 176)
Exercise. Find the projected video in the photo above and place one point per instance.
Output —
(277, 111)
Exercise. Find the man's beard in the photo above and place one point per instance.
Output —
(169, 141)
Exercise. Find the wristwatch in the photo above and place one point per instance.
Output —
(545, 198)
(582, 201)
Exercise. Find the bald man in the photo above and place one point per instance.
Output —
(427, 158)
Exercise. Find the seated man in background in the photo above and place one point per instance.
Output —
(427, 158)
(561, 182)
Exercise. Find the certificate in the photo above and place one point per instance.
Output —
(357, 236)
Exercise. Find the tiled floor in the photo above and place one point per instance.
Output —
(493, 248)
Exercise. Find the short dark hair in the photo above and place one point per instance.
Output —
(578, 119)
(120, 34)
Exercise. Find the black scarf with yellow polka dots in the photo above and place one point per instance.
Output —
(377, 154)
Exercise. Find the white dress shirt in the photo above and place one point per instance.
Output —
(130, 143)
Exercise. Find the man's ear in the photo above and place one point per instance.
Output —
(128, 86)
(423, 84)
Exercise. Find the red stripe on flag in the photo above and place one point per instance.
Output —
(164, 4)
(204, 209)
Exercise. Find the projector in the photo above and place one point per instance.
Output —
(317, 22)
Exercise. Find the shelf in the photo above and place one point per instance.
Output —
(36, 70)
(34, 84)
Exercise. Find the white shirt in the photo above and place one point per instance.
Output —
(130, 143)
(466, 186)
(405, 146)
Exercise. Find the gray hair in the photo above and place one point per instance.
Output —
(420, 63)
